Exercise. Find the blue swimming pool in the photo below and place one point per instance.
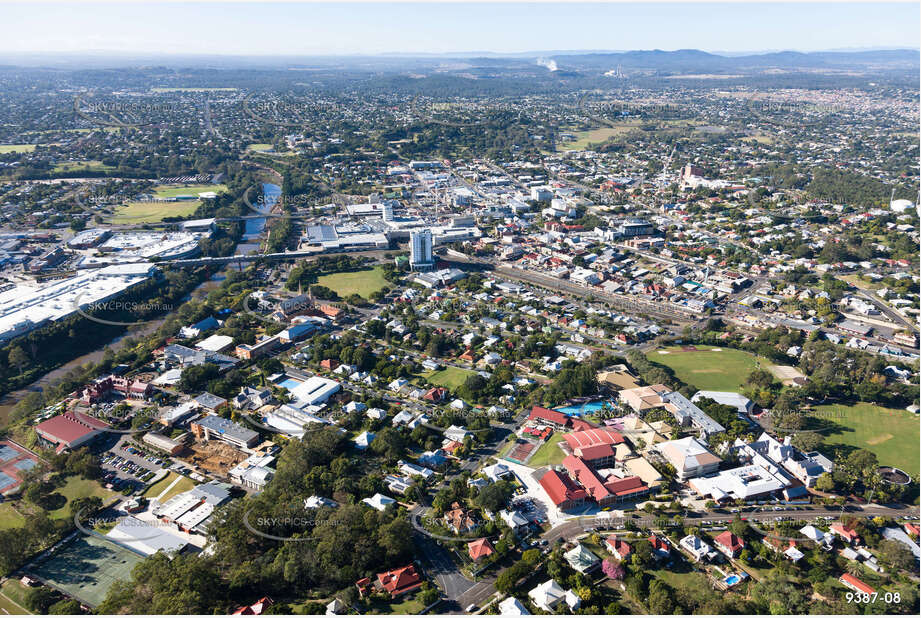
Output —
(732, 580)
(586, 408)
(289, 383)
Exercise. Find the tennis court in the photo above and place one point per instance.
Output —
(86, 568)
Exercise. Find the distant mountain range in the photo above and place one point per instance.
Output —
(696, 60)
(678, 61)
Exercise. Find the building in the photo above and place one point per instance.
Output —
(562, 491)
(849, 535)
(621, 549)
(253, 472)
(69, 430)
(420, 250)
(582, 559)
(690, 457)
(213, 427)
(746, 483)
(400, 581)
(697, 548)
(458, 520)
(159, 441)
(660, 396)
(314, 391)
(512, 607)
(548, 596)
(145, 537)
(259, 349)
(191, 510)
(594, 446)
(479, 549)
(121, 386)
(741, 403)
(604, 491)
(729, 544)
(855, 584)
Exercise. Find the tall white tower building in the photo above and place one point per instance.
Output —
(420, 250)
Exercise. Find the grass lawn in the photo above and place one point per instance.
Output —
(11, 598)
(595, 136)
(362, 282)
(177, 190)
(8, 148)
(684, 577)
(77, 487)
(259, 147)
(82, 166)
(152, 212)
(548, 453)
(449, 377)
(707, 370)
(9, 518)
(891, 434)
(406, 607)
(15, 592)
(185, 484)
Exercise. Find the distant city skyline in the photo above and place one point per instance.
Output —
(206, 28)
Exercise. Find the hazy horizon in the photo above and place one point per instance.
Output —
(360, 29)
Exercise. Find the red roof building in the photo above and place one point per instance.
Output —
(848, 534)
(564, 494)
(551, 417)
(436, 395)
(481, 548)
(595, 445)
(620, 549)
(729, 544)
(660, 548)
(855, 584)
(604, 492)
(256, 609)
(400, 581)
(912, 529)
(70, 430)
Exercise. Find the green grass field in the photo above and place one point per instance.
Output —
(9, 517)
(178, 190)
(152, 212)
(707, 370)
(8, 148)
(891, 434)
(449, 377)
(82, 166)
(596, 136)
(76, 487)
(185, 484)
(259, 147)
(548, 453)
(362, 282)
(15, 592)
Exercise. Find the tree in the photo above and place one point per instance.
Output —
(825, 483)
(612, 569)
(894, 553)
(18, 358)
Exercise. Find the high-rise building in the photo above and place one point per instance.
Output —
(387, 211)
(420, 250)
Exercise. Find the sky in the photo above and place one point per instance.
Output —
(286, 28)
